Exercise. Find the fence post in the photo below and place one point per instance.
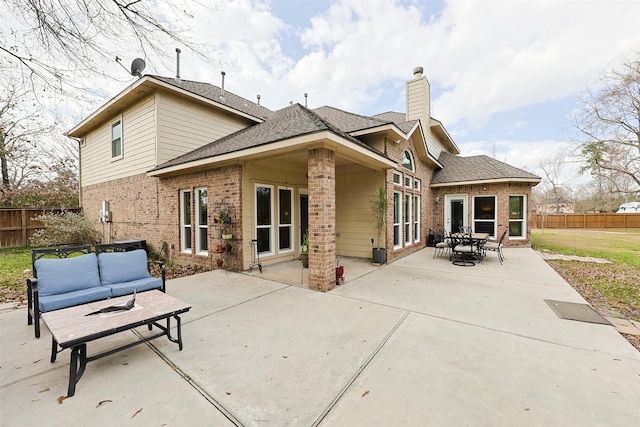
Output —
(23, 220)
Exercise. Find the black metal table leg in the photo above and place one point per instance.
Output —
(76, 367)
(54, 349)
(179, 329)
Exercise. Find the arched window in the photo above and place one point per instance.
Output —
(407, 161)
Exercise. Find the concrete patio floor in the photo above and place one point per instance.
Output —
(417, 342)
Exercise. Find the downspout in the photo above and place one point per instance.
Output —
(79, 141)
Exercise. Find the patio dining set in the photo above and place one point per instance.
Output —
(465, 247)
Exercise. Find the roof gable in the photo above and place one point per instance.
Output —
(292, 121)
(214, 93)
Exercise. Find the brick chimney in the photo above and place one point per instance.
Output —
(419, 98)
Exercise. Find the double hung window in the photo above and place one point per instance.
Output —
(517, 210)
(201, 221)
(116, 139)
(185, 220)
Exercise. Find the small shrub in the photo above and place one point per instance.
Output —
(66, 228)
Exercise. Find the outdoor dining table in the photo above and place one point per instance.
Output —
(466, 259)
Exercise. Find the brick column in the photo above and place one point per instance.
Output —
(322, 219)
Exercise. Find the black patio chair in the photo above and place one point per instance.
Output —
(496, 246)
(444, 245)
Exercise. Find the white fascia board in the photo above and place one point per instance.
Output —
(390, 127)
(487, 181)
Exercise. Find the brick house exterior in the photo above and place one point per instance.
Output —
(169, 155)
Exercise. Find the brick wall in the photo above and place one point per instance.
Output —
(149, 208)
(501, 190)
(322, 219)
(423, 172)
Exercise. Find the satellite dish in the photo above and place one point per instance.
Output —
(137, 66)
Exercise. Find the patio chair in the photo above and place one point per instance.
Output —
(463, 251)
(496, 246)
(443, 246)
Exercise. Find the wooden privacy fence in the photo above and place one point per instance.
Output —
(590, 220)
(17, 225)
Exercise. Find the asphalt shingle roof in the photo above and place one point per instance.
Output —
(289, 122)
(400, 119)
(213, 93)
(476, 168)
(348, 122)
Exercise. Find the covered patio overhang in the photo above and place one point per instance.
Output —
(336, 175)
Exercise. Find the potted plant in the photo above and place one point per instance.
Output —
(219, 262)
(224, 217)
(339, 272)
(379, 213)
(304, 251)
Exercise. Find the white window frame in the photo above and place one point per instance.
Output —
(270, 227)
(186, 245)
(495, 213)
(200, 248)
(523, 220)
(416, 184)
(411, 160)
(290, 225)
(408, 214)
(408, 181)
(115, 122)
(397, 178)
(397, 219)
(416, 218)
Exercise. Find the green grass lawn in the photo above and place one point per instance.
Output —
(611, 287)
(15, 268)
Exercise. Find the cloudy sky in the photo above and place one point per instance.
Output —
(504, 74)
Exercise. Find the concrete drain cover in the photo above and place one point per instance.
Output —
(576, 311)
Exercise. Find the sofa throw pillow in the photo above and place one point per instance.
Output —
(61, 275)
(119, 267)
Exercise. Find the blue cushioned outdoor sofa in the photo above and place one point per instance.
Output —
(74, 275)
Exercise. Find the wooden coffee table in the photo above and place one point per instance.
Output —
(72, 328)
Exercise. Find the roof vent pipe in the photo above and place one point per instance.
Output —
(258, 99)
(178, 65)
(305, 100)
(222, 88)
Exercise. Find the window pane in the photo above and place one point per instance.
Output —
(516, 207)
(264, 244)
(285, 237)
(397, 231)
(285, 206)
(116, 139)
(187, 238)
(515, 229)
(406, 161)
(202, 207)
(263, 205)
(203, 245)
(483, 227)
(485, 208)
(186, 208)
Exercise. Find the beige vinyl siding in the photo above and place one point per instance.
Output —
(418, 100)
(184, 125)
(433, 145)
(355, 186)
(138, 146)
